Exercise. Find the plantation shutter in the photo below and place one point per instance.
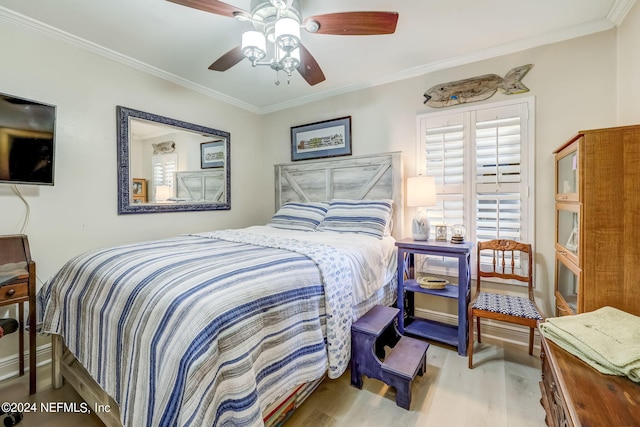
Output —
(479, 158)
(445, 139)
(498, 166)
(444, 150)
(164, 168)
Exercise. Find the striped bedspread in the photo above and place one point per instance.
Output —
(205, 329)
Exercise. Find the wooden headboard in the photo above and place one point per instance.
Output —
(198, 186)
(378, 176)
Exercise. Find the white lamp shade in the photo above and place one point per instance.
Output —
(287, 32)
(421, 191)
(254, 45)
(163, 192)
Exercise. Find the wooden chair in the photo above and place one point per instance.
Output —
(506, 308)
(17, 286)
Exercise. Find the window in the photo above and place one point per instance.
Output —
(482, 161)
(164, 168)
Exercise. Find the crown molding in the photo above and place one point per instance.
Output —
(504, 49)
(619, 11)
(57, 34)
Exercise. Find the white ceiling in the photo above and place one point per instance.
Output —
(179, 43)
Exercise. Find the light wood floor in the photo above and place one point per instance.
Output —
(16, 390)
(502, 390)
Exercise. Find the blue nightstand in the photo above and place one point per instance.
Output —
(455, 335)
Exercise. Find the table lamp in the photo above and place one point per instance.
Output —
(421, 192)
(163, 192)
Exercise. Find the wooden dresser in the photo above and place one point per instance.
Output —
(597, 222)
(575, 394)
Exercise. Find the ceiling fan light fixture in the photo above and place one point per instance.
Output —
(254, 45)
(287, 33)
(289, 61)
(279, 23)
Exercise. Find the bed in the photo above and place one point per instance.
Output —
(219, 328)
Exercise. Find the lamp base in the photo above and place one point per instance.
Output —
(420, 227)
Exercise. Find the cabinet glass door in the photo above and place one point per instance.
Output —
(567, 173)
(568, 230)
(567, 286)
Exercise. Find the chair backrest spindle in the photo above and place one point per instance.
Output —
(520, 253)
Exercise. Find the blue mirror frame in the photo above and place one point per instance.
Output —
(125, 204)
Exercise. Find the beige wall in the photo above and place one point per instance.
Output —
(574, 87)
(80, 212)
(629, 68)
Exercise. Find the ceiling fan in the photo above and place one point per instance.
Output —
(277, 24)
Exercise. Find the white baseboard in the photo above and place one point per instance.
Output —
(10, 366)
(492, 330)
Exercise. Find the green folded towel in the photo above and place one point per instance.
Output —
(608, 339)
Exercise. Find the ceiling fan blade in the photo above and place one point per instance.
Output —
(356, 23)
(213, 6)
(309, 68)
(228, 60)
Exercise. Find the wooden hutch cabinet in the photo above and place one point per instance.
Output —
(598, 221)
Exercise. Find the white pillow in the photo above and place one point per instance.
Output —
(299, 216)
(370, 217)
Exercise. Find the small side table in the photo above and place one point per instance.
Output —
(455, 335)
(17, 287)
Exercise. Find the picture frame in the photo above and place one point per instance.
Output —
(212, 154)
(441, 233)
(572, 241)
(329, 138)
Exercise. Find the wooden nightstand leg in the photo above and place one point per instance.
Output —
(21, 337)
(32, 347)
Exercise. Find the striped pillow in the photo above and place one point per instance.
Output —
(299, 216)
(370, 217)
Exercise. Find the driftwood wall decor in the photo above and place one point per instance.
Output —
(476, 88)
(164, 147)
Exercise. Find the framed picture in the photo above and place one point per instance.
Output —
(329, 138)
(212, 154)
(441, 233)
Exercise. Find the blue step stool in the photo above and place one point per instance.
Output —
(408, 356)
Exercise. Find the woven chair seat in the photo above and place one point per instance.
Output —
(507, 304)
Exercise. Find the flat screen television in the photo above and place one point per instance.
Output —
(27, 135)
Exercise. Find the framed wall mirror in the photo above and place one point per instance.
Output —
(167, 165)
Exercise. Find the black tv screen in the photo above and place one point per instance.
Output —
(27, 134)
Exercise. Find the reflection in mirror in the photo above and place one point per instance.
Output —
(167, 165)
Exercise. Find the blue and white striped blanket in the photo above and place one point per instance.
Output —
(206, 329)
